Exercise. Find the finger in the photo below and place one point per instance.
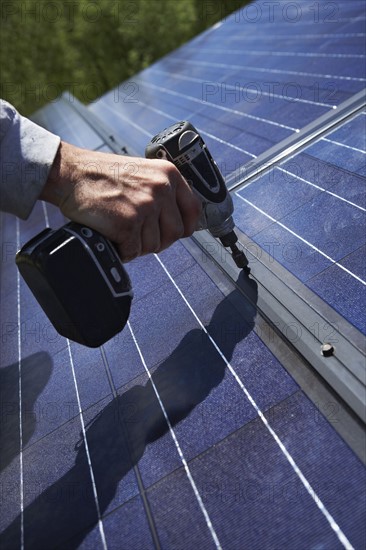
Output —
(150, 236)
(190, 207)
(171, 225)
(130, 247)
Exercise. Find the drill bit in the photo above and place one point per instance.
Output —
(239, 258)
(229, 241)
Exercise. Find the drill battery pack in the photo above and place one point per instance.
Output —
(79, 280)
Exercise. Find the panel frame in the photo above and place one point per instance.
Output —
(296, 142)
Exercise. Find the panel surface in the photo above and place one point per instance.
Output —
(249, 83)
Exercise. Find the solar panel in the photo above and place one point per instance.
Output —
(247, 95)
(298, 206)
(200, 426)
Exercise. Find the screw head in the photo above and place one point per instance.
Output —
(327, 349)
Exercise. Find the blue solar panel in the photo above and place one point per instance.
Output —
(68, 124)
(186, 430)
(211, 462)
(309, 214)
(241, 88)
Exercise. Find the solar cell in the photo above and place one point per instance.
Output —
(186, 430)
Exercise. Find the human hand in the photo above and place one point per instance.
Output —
(141, 205)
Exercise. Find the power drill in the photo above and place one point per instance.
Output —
(76, 274)
(182, 145)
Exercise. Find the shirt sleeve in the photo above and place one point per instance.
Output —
(27, 152)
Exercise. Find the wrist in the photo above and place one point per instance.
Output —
(62, 176)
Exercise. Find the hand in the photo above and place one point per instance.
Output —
(141, 205)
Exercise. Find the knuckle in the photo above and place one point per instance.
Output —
(162, 189)
(174, 234)
(156, 248)
(157, 245)
(168, 166)
(180, 231)
(190, 227)
(172, 174)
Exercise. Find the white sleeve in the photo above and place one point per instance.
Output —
(27, 152)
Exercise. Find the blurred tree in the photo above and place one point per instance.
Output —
(90, 46)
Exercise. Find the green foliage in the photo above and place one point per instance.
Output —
(90, 46)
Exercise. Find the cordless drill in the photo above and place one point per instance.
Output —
(182, 145)
(77, 275)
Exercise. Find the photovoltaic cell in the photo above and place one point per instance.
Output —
(185, 431)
